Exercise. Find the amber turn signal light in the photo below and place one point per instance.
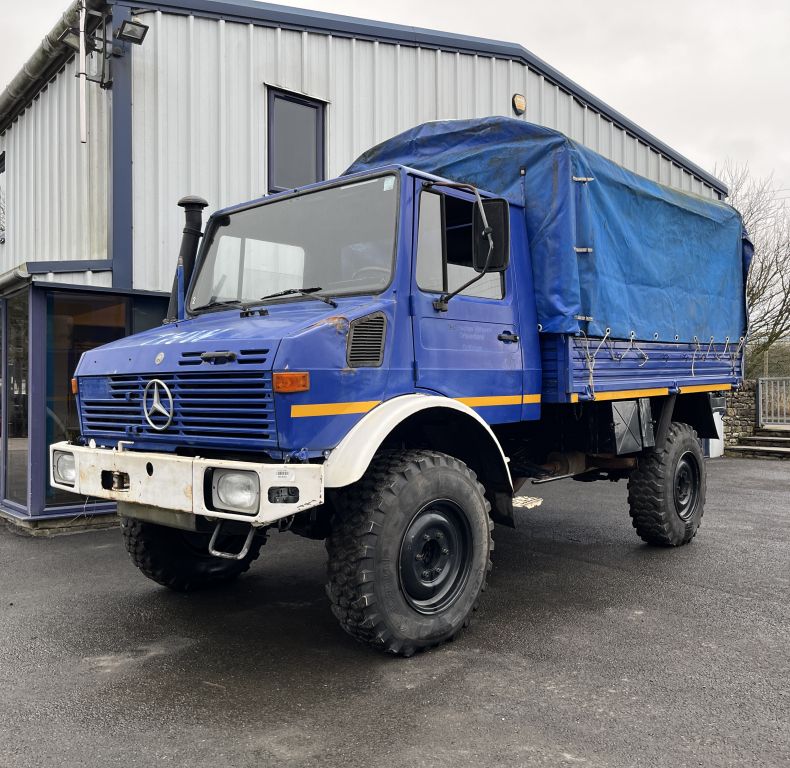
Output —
(74, 388)
(286, 381)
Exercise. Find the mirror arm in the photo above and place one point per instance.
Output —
(440, 304)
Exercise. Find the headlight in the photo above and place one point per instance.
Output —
(235, 491)
(63, 467)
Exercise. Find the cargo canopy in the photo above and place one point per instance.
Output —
(610, 249)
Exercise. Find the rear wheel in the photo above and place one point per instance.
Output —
(666, 492)
(409, 551)
(180, 559)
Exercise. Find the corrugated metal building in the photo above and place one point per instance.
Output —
(228, 100)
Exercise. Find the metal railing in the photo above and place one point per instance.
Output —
(773, 402)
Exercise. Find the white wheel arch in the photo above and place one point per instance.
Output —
(348, 462)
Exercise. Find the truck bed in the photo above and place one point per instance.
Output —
(579, 368)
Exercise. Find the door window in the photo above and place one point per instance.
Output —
(444, 248)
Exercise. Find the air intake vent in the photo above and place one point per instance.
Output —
(366, 341)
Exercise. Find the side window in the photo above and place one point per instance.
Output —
(2, 198)
(444, 249)
(295, 140)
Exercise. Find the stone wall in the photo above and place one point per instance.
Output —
(741, 418)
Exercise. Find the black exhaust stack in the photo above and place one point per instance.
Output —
(193, 214)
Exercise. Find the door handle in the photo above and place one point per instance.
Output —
(508, 337)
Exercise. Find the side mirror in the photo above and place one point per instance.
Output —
(497, 213)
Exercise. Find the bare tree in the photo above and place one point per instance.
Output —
(767, 219)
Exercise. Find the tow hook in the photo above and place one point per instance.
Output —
(212, 545)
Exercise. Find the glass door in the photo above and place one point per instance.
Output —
(16, 387)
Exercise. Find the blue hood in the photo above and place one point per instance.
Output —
(210, 332)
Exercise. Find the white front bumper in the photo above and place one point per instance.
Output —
(176, 482)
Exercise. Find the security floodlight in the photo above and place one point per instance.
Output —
(70, 37)
(132, 31)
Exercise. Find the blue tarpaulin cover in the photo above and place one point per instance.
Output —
(664, 264)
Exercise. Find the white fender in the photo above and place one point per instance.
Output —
(348, 462)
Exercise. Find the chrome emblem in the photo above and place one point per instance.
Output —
(158, 359)
(158, 402)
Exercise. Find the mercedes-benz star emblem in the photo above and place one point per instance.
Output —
(155, 392)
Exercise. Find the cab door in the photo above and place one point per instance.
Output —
(471, 351)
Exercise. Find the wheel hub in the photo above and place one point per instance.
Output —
(686, 485)
(435, 556)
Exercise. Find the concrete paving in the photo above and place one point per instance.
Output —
(589, 649)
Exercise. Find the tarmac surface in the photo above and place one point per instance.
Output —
(589, 649)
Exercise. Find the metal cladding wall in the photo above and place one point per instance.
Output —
(199, 113)
(57, 189)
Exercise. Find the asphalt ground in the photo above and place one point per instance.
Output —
(589, 649)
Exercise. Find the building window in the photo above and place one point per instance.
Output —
(444, 249)
(2, 198)
(17, 395)
(295, 140)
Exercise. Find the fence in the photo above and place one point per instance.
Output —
(773, 402)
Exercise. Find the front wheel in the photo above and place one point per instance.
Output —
(666, 492)
(180, 559)
(409, 551)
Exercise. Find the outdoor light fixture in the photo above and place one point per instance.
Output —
(519, 103)
(132, 31)
(70, 37)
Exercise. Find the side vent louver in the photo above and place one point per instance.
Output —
(366, 341)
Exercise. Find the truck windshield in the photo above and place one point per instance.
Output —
(341, 239)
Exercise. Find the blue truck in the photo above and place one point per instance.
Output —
(383, 361)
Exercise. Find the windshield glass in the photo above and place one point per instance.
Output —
(340, 240)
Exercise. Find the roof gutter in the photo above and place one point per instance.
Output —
(13, 278)
(39, 69)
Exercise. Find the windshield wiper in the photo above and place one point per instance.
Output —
(310, 293)
(214, 303)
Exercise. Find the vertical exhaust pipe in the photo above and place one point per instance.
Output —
(193, 222)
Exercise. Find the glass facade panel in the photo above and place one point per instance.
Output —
(76, 323)
(148, 312)
(17, 389)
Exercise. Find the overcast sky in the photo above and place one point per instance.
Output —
(710, 78)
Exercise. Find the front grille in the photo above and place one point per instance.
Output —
(222, 408)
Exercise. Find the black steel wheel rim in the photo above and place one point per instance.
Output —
(435, 556)
(686, 485)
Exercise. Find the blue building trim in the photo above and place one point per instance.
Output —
(38, 468)
(121, 216)
(265, 14)
(60, 267)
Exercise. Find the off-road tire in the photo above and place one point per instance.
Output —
(180, 559)
(376, 529)
(656, 508)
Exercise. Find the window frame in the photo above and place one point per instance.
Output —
(272, 94)
(443, 194)
(4, 230)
